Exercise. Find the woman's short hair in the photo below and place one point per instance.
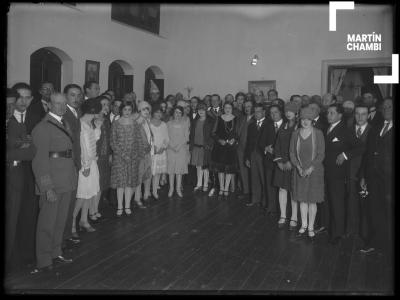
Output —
(125, 104)
(240, 94)
(228, 103)
(178, 107)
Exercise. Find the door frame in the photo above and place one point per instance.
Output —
(347, 63)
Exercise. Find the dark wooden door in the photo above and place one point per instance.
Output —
(45, 66)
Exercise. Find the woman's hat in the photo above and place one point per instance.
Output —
(307, 113)
(291, 106)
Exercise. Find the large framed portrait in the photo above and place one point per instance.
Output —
(141, 15)
(263, 85)
(92, 70)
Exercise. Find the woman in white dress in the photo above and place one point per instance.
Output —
(88, 192)
(159, 153)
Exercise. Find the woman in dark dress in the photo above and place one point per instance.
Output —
(283, 167)
(224, 157)
(103, 148)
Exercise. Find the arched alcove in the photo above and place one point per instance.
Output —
(155, 74)
(50, 64)
(120, 78)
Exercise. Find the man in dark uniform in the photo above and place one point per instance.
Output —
(376, 178)
(72, 115)
(56, 178)
(20, 151)
(339, 148)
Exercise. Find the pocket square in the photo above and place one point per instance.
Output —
(335, 140)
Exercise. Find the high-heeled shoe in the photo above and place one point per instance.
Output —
(170, 193)
(196, 188)
(119, 212)
(86, 227)
(140, 204)
(226, 193)
(155, 195)
(311, 235)
(282, 224)
(205, 188)
(221, 193)
(211, 193)
(93, 218)
(128, 211)
(301, 232)
(179, 193)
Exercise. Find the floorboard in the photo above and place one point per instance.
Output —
(212, 245)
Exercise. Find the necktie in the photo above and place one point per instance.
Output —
(259, 124)
(276, 127)
(329, 129)
(385, 129)
(358, 132)
(22, 118)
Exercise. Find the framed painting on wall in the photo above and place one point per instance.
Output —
(92, 70)
(263, 85)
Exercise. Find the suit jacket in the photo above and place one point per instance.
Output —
(378, 120)
(378, 157)
(16, 134)
(322, 123)
(34, 114)
(269, 138)
(340, 140)
(74, 125)
(254, 135)
(355, 162)
(242, 132)
(58, 174)
(211, 113)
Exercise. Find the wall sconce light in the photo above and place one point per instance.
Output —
(254, 60)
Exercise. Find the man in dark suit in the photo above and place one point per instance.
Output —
(340, 147)
(376, 178)
(20, 151)
(39, 106)
(56, 178)
(27, 217)
(91, 89)
(360, 132)
(320, 122)
(375, 117)
(215, 109)
(194, 101)
(72, 115)
(254, 155)
(268, 141)
(244, 121)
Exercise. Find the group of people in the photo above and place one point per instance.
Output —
(78, 149)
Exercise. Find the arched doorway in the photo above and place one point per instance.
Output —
(50, 64)
(120, 78)
(45, 66)
(154, 74)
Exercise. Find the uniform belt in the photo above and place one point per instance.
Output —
(14, 163)
(58, 154)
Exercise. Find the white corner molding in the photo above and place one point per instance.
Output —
(333, 7)
(394, 78)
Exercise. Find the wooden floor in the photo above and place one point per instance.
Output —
(207, 244)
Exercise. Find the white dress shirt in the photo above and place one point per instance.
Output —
(260, 122)
(278, 124)
(390, 126)
(20, 116)
(112, 117)
(57, 117)
(73, 110)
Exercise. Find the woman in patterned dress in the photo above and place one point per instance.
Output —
(161, 141)
(128, 150)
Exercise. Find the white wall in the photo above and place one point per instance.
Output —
(211, 46)
(206, 47)
(85, 33)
